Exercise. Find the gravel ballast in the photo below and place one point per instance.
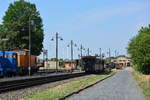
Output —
(19, 94)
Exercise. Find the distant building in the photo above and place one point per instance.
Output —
(122, 61)
(50, 65)
(70, 64)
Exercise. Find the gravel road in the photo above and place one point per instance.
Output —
(119, 87)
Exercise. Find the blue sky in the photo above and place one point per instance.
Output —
(94, 23)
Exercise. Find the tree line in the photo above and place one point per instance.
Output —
(139, 50)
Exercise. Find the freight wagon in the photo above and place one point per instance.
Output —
(92, 64)
(16, 62)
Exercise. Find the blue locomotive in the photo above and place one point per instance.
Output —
(17, 62)
(8, 62)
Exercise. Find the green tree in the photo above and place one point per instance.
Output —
(53, 59)
(6, 37)
(16, 27)
(61, 63)
(139, 50)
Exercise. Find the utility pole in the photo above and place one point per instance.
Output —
(43, 57)
(29, 68)
(109, 53)
(118, 53)
(56, 52)
(115, 53)
(56, 38)
(31, 22)
(72, 50)
(88, 51)
(100, 51)
(72, 44)
(71, 55)
(81, 48)
(46, 55)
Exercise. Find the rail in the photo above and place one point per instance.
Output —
(23, 83)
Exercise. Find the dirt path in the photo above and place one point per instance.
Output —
(119, 87)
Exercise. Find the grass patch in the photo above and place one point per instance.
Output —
(61, 91)
(144, 82)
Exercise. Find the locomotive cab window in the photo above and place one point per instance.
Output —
(22, 52)
(10, 56)
(14, 56)
(6, 55)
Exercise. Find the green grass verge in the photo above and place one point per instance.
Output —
(65, 89)
(144, 83)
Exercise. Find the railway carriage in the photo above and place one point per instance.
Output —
(92, 64)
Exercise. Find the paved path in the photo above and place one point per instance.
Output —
(119, 87)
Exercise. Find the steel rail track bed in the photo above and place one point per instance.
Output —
(28, 82)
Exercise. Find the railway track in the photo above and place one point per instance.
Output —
(24, 83)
